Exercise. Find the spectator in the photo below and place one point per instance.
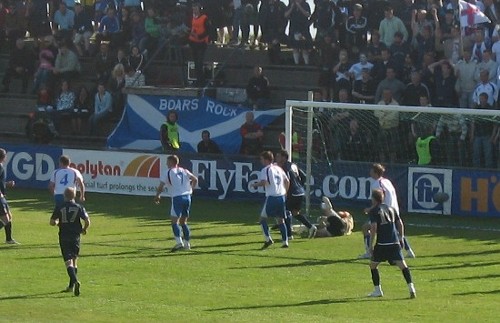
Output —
(169, 133)
(39, 25)
(491, 11)
(115, 87)
(43, 74)
(258, 89)
(250, 18)
(104, 63)
(356, 145)
(444, 84)
(15, 24)
(125, 25)
(341, 71)
(152, 26)
(138, 30)
(273, 25)
(487, 64)
(465, 70)
(356, 27)
(63, 22)
(328, 50)
(389, 26)
(132, 5)
(451, 130)
(237, 9)
(482, 136)
(355, 70)
(198, 39)
(408, 68)
(134, 78)
(207, 145)
(379, 70)
(81, 109)
(399, 49)
(20, 66)
(251, 136)
(65, 102)
(480, 45)
(423, 42)
(414, 91)
(390, 82)
(388, 135)
(485, 86)
(121, 57)
(299, 38)
(67, 65)
(364, 89)
(136, 60)
(375, 48)
(327, 19)
(452, 46)
(102, 107)
(83, 30)
(109, 29)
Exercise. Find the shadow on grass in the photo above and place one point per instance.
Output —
(455, 266)
(490, 276)
(308, 303)
(463, 254)
(311, 262)
(33, 296)
(488, 292)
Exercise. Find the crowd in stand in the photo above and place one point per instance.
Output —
(407, 52)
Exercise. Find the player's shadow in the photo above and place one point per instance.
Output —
(487, 292)
(462, 254)
(306, 263)
(308, 303)
(33, 296)
(455, 266)
(490, 276)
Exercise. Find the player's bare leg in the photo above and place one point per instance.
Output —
(183, 221)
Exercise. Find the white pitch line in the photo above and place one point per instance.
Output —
(439, 226)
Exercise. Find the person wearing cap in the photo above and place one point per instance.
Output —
(389, 26)
(356, 27)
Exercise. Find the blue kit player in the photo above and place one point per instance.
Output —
(180, 184)
(275, 183)
(64, 177)
(387, 230)
(295, 195)
(68, 216)
(5, 214)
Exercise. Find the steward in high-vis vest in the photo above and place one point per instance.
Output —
(169, 133)
(426, 148)
(198, 40)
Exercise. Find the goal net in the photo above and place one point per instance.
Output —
(335, 143)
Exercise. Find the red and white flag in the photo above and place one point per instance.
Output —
(471, 15)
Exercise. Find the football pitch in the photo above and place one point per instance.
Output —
(128, 273)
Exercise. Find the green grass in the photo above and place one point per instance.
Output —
(128, 274)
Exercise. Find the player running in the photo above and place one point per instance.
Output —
(64, 177)
(275, 183)
(67, 216)
(390, 198)
(180, 184)
(388, 230)
(5, 214)
(295, 195)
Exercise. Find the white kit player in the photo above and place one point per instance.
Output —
(180, 183)
(64, 177)
(390, 198)
(275, 183)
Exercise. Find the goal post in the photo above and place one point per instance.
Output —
(322, 129)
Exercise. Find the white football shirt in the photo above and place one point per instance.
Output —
(275, 180)
(64, 178)
(390, 196)
(177, 181)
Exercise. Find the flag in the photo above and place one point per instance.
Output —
(471, 15)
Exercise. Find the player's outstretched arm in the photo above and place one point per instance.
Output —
(159, 190)
(52, 185)
(193, 179)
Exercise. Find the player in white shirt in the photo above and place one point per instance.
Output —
(390, 198)
(275, 183)
(179, 183)
(64, 177)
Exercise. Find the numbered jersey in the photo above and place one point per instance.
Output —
(69, 215)
(178, 181)
(64, 178)
(390, 196)
(385, 217)
(274, 177)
